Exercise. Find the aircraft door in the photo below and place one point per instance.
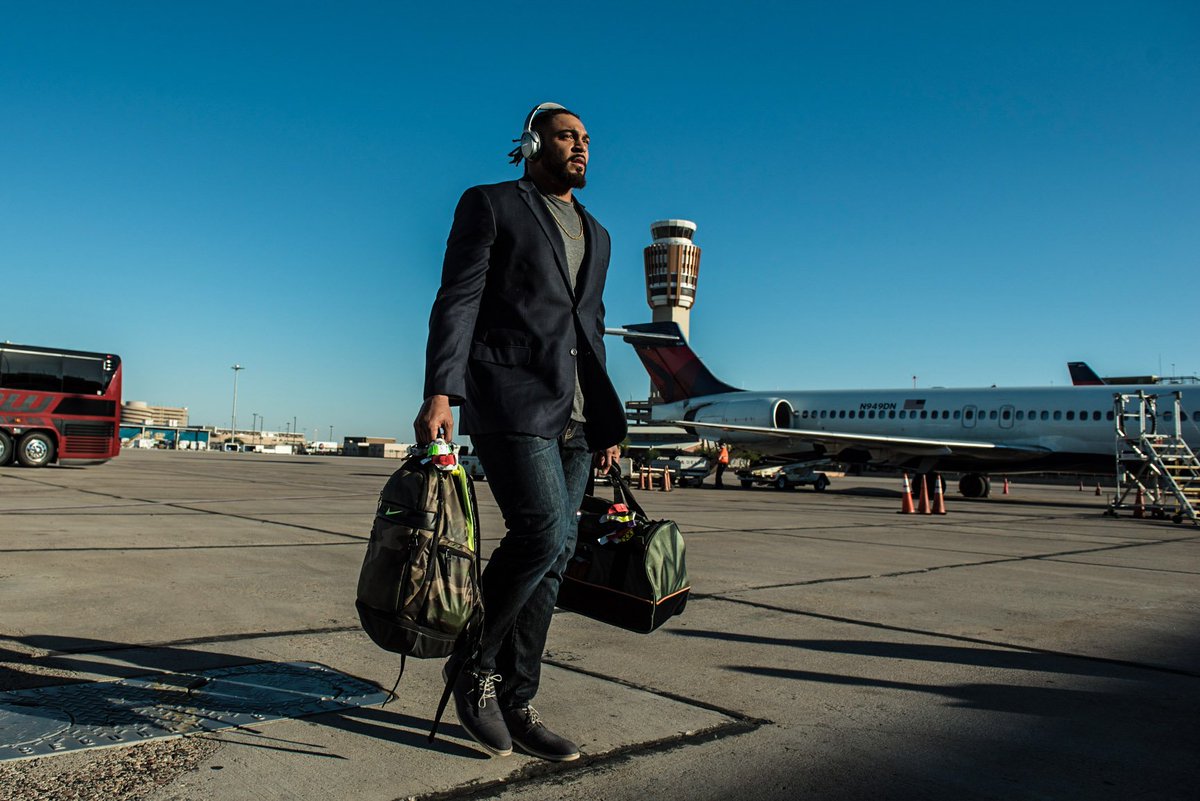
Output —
(969, 413)
(1006, 416)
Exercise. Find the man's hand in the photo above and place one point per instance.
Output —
(434, 420)
(607, 458)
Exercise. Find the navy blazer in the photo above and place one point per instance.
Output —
(507, 331)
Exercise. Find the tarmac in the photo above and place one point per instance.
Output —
(1020, 647)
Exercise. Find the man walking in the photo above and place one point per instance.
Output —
(722, 464)
(516, 338)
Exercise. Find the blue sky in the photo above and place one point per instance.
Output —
(972, 193)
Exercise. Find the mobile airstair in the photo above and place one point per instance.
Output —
(1157, 473)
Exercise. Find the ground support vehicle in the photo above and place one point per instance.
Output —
(786, 476)
(470, 463)
(687, 470)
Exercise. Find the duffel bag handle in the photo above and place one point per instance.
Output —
(622, 493)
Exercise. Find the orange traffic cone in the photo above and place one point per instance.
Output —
(906, 503)
(666, 487)
(1005, 485)
(939, 499)
(1139, 505)
(643, 474)
(1097, 489)
(923, 504)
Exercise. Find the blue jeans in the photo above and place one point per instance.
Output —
(538, 484)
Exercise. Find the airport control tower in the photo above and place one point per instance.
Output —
(672, 267)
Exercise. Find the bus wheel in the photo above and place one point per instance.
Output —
(36, 450)
(5, 448)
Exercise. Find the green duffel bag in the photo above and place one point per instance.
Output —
(627, 570)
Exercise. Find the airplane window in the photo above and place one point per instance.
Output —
(956, 414)
(822, 414)
(924, 414)
(1070, 415)
(1045, 415)
(1095, 415)
(1083, 415)
(842, 413)
(1109, 416)
(1058, 415)
(804, 414)
(903, 414)
(892, 414)
(1032, 414)
(851, 414)
(992, 414)
(871, 414)
(1020, 415)
(945, 414)
(1006, 414)
(969, 414)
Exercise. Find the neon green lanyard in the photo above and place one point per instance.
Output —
(461, 474)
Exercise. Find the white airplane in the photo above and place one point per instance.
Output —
(1068, 429)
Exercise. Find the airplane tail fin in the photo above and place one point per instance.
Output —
(676, 372)
(1084, 376)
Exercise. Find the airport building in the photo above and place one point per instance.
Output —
(140, 413)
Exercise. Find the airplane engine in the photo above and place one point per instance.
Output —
(761, 412)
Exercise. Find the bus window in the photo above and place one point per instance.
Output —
(84, 376)
(36, 372)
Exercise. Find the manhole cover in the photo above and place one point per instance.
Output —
(54, 720)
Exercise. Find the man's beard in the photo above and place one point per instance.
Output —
(574, 180)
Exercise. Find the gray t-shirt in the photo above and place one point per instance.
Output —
(570, 222)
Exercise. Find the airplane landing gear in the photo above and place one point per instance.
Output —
(975, 485)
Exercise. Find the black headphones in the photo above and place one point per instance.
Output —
(530, 143)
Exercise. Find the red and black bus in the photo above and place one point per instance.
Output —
(58, 405)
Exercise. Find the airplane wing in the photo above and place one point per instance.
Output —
(917, 446)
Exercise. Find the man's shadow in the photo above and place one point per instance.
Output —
(48, 660)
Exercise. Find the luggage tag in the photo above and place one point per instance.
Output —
(621, 521)
(441, 454)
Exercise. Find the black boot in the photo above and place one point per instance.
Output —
(528, 732)
(477, 708)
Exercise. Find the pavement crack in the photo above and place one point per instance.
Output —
(680, 699)
(540, 772)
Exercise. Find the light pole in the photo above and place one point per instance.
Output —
(331, 433)
(254, 423)
(233, 422)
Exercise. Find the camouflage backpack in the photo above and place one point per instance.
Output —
(419, 585)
